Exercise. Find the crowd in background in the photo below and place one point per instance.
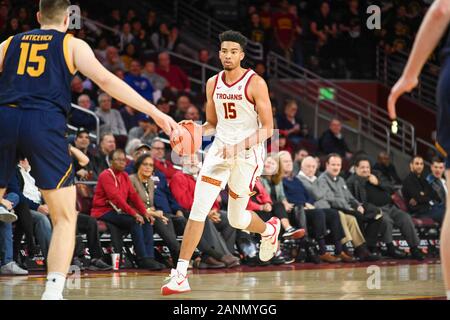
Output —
(324, 192)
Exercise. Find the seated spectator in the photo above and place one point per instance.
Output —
(385, 167)
(318, 219)
(126, 37)
(100, 161)
(299, 155)
(129, 55)
(26, 188)
(193, 114)
(256, 32)
(116, 202)
(77, 89)
(139, 83)
(165, 166)
(130, 117)
(146, 131)
(422, 199)
(136, 152)
(144, 184)
(162, 39)
(158, 82)
(113, 122)
(272, 180)
(82, 143)
(437, 180)
(100, 50)
(183, 104)
(177, 78)
(285, 31)
(7, 265)
(113, 61)
(349, 223)
(289, 122)
(334, 194)
(163, 105)
(218, 238)
(332, 140)
(81, 119)
(375, 194)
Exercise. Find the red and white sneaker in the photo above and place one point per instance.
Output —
(269, 244)
(175, 283)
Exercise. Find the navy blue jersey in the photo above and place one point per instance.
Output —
(37, 71)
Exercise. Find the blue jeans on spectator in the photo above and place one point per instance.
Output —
(6, 241)
(142, 235)
(42, 231)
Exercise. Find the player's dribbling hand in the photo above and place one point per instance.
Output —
(404, 84)
(167, 124)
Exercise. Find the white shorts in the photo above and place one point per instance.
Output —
(240, 173)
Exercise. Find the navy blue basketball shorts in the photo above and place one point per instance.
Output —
(443, 114)
(38, 136)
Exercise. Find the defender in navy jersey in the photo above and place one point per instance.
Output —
(435, 23)
(36, 70)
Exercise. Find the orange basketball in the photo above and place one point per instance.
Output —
(189, 141)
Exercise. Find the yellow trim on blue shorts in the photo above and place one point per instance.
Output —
(65, 177)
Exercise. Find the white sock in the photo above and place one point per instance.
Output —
(182, 266)
(270, 229)
(448, 294)
(54, 286)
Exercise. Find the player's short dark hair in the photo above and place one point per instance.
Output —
(332, 155)
(437, 159)
(52, 11)
(234, 36)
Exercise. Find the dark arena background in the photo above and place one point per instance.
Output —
(329, 66)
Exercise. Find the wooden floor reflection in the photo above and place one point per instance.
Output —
(396, 281)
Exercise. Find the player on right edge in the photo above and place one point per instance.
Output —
(431, 31)
(239, 111)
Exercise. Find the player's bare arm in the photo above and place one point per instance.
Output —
(430, 32)
(86, 62)
(259, 92)
(2, 46)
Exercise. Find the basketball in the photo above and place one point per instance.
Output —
(190, 140)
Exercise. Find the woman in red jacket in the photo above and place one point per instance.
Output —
(116, 202)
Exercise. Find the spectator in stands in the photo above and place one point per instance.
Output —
(116, 202)
(159, 83)
(324, 29)
(101, 161)
(255, 30)
(77, 89)
(164, 221)
(130, 117)
(128, 56)
(437, 179)
(151, 23)
(178, 80)
(139, 83)
(126, 37)
(146, 131)
(260, 69)
(299, 155)
(266, 15)
(318, 219)
(163, 105)
(332, 140)
(272, 180)
(422, 199)
(285, 31)
(192, 113)
(349, 223)
(218, 236)
(113, 61)
(290, 122)
(79, 118)
(399, 35)
(385, 167)
(113, 122)
(25, 186)
(82, 143)
(7, 265)
(165, 166)
(334, 194)
(183, 104)
(375, 194)
(100, 50)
